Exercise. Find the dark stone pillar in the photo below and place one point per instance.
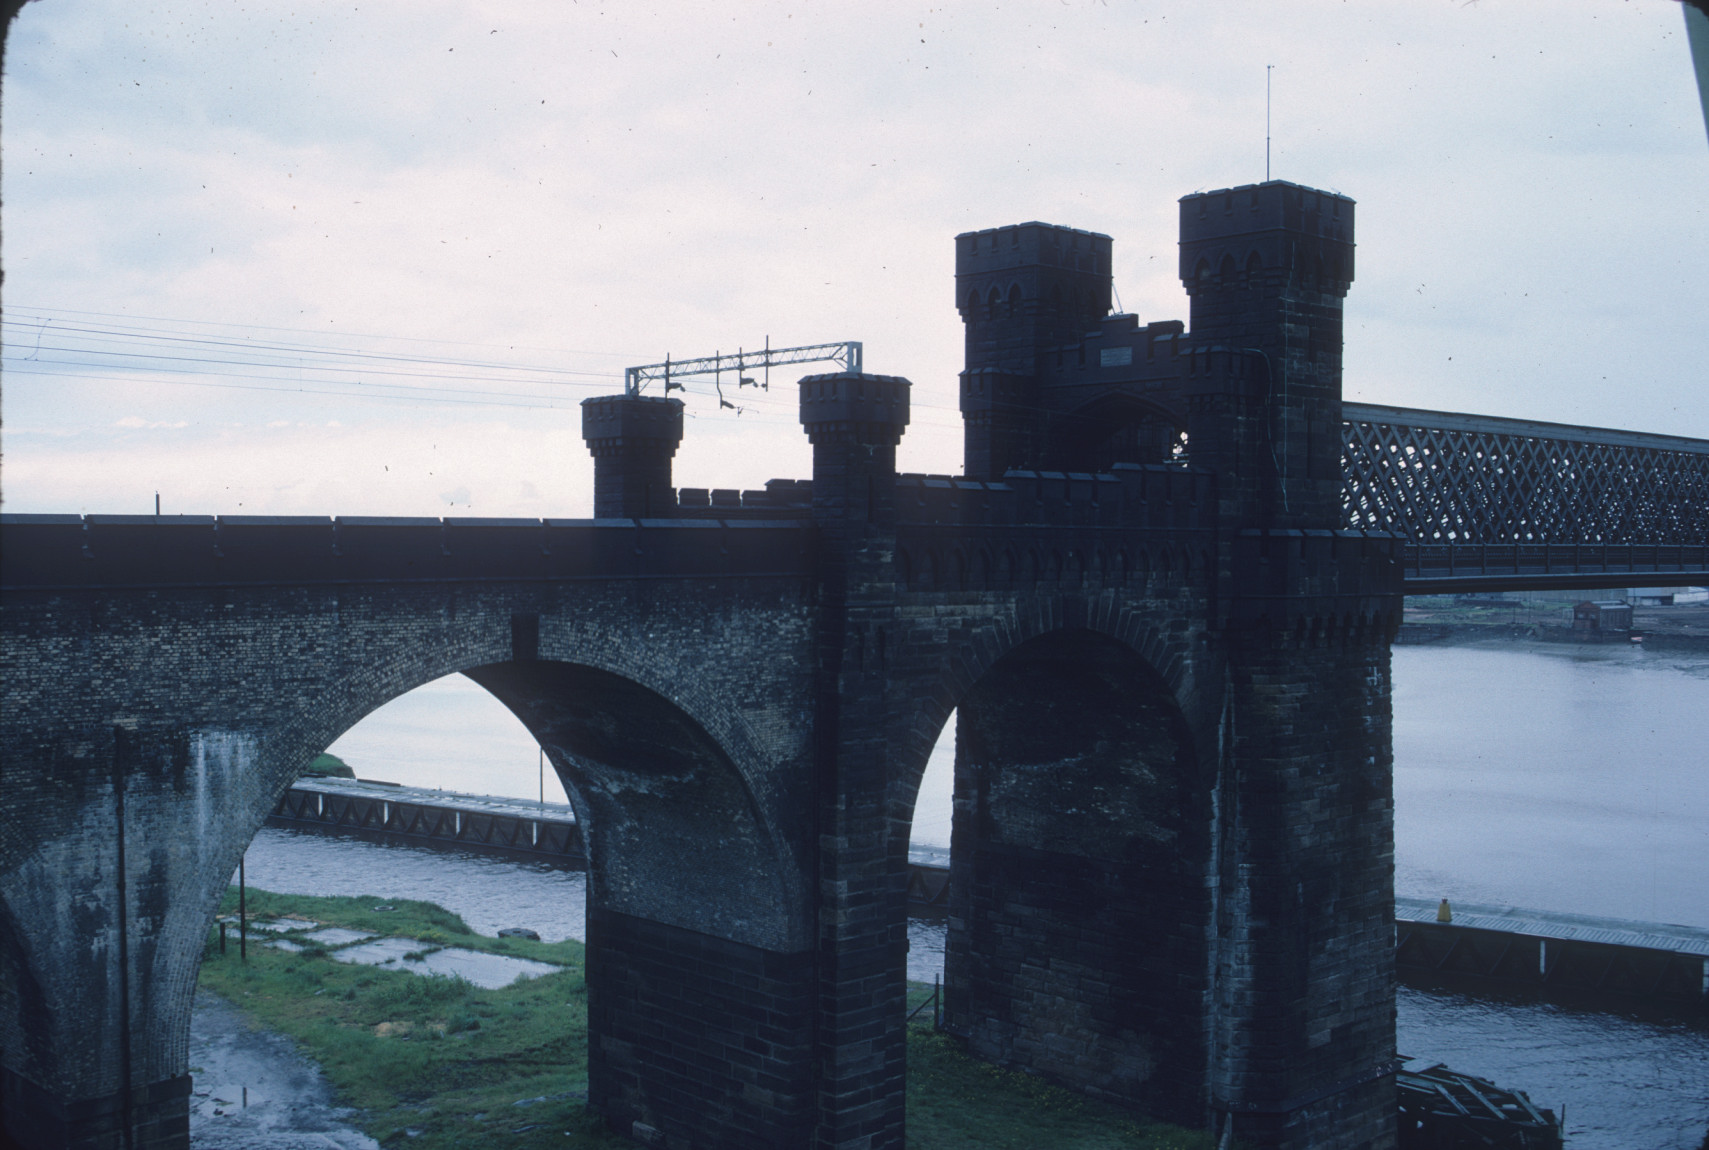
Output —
(33, 1118)
(700, 966)
(1079, 906)
(1305, 994)
(1021, 290)
(698, 1040)
(101, 924)
(1303, 1000)
(632, 438)
(855, 422)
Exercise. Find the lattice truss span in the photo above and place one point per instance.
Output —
(1439, 478)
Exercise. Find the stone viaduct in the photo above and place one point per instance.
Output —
(1172, 846)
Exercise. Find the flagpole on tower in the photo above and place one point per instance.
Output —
(1268, 68)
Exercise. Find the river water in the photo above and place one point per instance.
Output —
(1559, 778)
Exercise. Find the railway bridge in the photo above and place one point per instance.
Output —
(1160, 601)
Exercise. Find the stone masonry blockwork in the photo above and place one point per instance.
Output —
(1171, 879)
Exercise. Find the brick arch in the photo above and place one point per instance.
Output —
(1139, 848)
(607, 659)
(750, 851)
(644, 772)
(961, 665)
(610, 648)
(207, 744)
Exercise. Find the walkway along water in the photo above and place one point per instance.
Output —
(1638, 960)
(387, 812)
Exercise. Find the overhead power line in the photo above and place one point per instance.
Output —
(100, 347)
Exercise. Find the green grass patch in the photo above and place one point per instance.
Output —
(957, 1102)
(327, 765)
(466, 1067)
(459, 1064)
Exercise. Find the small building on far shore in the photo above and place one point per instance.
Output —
(1666, 596)
(1602, 616)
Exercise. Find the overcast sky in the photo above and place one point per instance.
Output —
(368, 258)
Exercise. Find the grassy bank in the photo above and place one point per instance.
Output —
(438, 1063)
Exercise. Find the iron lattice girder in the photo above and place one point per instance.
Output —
(1437, 478)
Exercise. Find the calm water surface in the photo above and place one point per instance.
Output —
(1562, 778)
(1559, 778)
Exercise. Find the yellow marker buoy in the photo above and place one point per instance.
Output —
(1444, 913)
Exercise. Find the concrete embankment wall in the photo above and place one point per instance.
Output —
(542, 832)
(1413, 634)
(1553, 953)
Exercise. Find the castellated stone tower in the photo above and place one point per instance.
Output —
(1266, 268)
(1021, 291)
(1251, 387)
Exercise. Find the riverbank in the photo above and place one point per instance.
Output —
(1442, 620)
(437, 1062)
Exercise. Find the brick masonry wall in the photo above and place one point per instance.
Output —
(1305, 990)
(745, 753)
(699, 1042)
(940, 650)
(1080, 893)
(207, 702)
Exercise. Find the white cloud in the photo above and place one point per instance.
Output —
(137, 421)
(629, 182)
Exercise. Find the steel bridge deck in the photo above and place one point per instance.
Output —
(1490, 504)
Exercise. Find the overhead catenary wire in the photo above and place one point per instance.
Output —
(132, 340)
(301, 390)
(319, 333)
(132, 350)
(297, 352)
